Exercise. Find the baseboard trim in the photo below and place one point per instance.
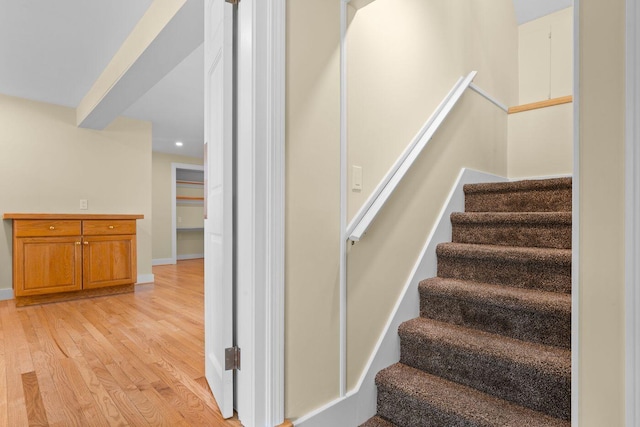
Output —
(523, 178)
(360, 404)
(189, 256)
(145, 278)
(25, 301)
(162, 261)
(6, 294)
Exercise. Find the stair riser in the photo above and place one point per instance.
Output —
(548, 200)
(513, 235)
(507, 380)
(406, 410)
(532, 275)
(545, 328)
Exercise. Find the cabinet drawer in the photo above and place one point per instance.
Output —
(101, 227)
(46, 228)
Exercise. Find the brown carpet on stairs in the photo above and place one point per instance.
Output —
(492, 345)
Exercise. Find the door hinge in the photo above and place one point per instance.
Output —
(231, 358)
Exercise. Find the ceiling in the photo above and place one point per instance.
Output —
(528, 10)
(53, 51)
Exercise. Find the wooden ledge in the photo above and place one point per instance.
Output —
(69, 216)
(286, 423)
(541, 104)
(189, 198)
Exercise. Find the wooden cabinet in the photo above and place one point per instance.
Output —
(78, 254)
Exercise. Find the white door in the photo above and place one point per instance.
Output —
(218, 228)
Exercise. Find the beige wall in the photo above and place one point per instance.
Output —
(394, 87)
(398, 76)
(545, 57)
(161, 191)
(474, 136)
(312, 204)
(396, 79)
(48, 165)
(601, 209)
(541, 142)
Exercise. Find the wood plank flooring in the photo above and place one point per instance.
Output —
(123, 360)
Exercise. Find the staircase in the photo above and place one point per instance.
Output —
(492, 344)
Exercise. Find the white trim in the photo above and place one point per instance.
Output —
(261, 206)
(632, 216)
(6, 294)
(360, 404)
(525, 178)
(383, 191)
(343, 199)
(275, 241)
(189, 256)
(575, 224)
(488, 97)
(163, 261)
(174, 231)
(145, 278)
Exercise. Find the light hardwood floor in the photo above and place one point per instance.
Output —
(133, 359)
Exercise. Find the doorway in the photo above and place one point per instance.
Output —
(187, 211)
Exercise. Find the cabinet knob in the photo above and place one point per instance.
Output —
(86, 243)
(111, 227)
(52, 228)
(77, 243)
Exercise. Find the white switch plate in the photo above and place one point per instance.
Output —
(84, 204)
(356, 178)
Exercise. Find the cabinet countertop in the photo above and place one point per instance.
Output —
(70, 216)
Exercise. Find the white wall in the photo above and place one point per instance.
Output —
(48, 164)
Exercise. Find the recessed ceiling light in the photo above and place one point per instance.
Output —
(179, 144)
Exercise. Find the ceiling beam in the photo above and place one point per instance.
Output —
(167, 33)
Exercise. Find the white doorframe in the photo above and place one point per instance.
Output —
(260, 218)
(575, 221)
(632, 215)
(174, 192)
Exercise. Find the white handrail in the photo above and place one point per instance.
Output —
(376, 201)
(488, 97)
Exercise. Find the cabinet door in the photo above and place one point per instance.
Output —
(109, 261)
(44, 265)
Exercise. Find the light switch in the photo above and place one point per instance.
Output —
(84, 204)
(356, 178)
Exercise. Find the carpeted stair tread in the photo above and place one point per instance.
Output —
(517, 186)
(410, 397)
(543, 268)
(506, 253)
(548, 195)
(526, 314)
(533, 229)
(519, 218)
(533, 375)
(377, 422)
(493, 344)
